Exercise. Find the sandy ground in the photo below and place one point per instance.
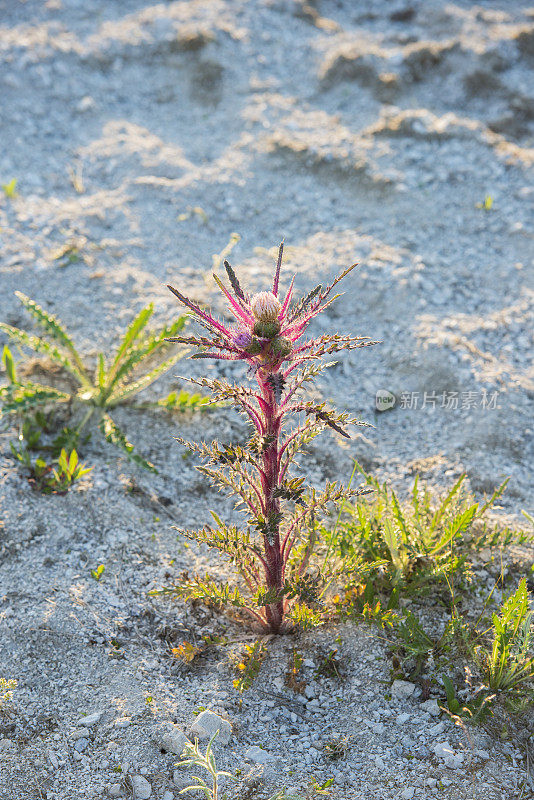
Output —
(357, 131)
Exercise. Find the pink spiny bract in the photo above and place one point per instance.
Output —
(269, 339)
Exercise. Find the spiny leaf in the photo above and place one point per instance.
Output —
(144, 349)
(39, 345)
(232, 277)
(101, 371)
(133, 331)
(29, 396)
(115, 436)
(53, 327)
(131, 389)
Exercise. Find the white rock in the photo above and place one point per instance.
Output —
(90, 719)
(168, 796)
(400, 690)
(379, 761)
(258, 755)
(172, 739)
(115, 790)
(408, 793)
(207, 724)
(402, 718)
(141, 788)
(431, 707)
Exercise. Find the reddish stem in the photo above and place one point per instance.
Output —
(273, 565)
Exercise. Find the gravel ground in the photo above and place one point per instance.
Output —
(358, 131)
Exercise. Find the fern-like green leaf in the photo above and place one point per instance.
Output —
(53, 327)
(23, 398)
(444, 505)
(180, 401)
(133, 331)
(459, 524)
(124, 392)
(144, 350)
(39, 345)
(115, 436)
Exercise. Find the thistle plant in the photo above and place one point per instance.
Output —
(114, 382)
(273, 552)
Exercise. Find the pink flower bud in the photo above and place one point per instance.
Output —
(265, 306)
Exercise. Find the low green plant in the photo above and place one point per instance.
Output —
(411, 546)
(192, 756)
(7, 687)
(293, 678)
(56, 477)
(10, 189)
(249, 665)
(113, 383)
(97, 573)
(508, 665)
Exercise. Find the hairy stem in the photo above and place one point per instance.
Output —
(274, 612)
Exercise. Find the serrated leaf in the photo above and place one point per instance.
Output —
(145, 349)
(22, 398)
(133, 331)
(53, 327)
(39, 345)
(134, 388)
(115, 436)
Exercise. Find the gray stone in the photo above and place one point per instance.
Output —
(81, 744)
(444, 751)
(408, 793)
(257, 755)
(167, 796)
(90, 719)
(141, 788)
(207, 724)
(172, 739)
(115, 790)
(7, 744)
(431, 707)
(400, 690)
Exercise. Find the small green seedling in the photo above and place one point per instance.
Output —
(98, 572)
(7, 686)
(193, 757)
(10, 189)
(249, 665)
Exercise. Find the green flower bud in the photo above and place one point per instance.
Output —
(281, 346)
(267, 330)
(254, 348)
